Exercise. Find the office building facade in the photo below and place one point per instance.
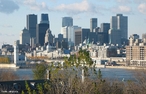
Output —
(93, 24)
(41, 32)
(49, 37)
(41, 29)
(85, 35)
(78, 36)
(71, 34)
(136, 55)
(81, 35)
(104, 29)
(24, 36)
(45, 19)
(31, 22)
(67, 21)
(114, 36)
(64, 31)
(120, 22)
(136, 52)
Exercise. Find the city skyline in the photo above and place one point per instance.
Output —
(13, 14)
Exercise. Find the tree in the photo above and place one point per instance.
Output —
(99, 74)
(39, 72)
(80, 61)
(4, 60)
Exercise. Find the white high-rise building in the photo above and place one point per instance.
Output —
(120, 22)
(24, 36)
(71, 34)
(66, 22)
(16, 53)
(64, 31)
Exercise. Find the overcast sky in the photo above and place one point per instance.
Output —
(13, 14)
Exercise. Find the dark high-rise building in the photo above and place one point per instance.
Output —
(104, 29)
(101, 38)
(120, 22)
(31, 23)
(93, 24)
(44, 18)
(67, 21)
(64, 44)
(92, 37)
(78, 36)
(60, 37)
(85, 35)
(41, 29)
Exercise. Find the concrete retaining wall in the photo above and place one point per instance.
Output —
(8, 66)
(125, 67)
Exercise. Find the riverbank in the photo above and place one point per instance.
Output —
(125, 67)
(8, 66)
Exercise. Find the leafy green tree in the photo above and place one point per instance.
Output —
(27, 88)
(40, 88)
(39, 72)
(22, 92)
(80, 61)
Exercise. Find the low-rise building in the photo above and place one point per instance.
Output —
(136, 52)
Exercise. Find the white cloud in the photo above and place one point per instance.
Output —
(139, 1)
(130, 1)
(142, 8)
(29, 1)
(85, 6)
(76, 8)
(122, 9)
(34, 5)
(124, 1)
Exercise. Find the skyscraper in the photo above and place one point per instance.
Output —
(31, 23)
(71, 34)
(93, 24)
(24, 36)
(81, 35)
(104, 29)
(41, 29)
(64, 31)
(114, 36)
(49, 37)
(67, 21)
(120, 22)
(44, 18)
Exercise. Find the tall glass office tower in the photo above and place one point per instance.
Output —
(41, 29)
(44, 18)
(120, 22)
(93, 24)
(31, 22)
(67, 21)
